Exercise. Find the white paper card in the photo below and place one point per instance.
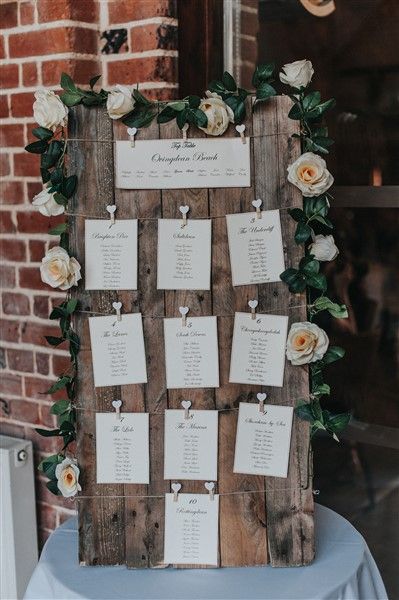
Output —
(178, 163)
(191, 353)
(122, 449)
(191, 445)
(118, 350)
(258, 349)
(191, 529)
(184, 254)
(256, 247)
(263, 440)
(111, 255)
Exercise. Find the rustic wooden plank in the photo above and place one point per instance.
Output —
(289, 507)
(101, 522)
(242, 516)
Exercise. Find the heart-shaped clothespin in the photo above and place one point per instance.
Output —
(261, 397)
(186, 405)
(183, 310)
(117, 306)
(131, 131)
(240, 129)
(210, 486)
(117, 406)
(176, 487)
(252, 305)
(111, 209)
(184, 210)
(257, 204)
(184, 130)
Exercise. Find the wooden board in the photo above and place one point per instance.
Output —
(125, 524)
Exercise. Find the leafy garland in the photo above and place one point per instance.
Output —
(308, 110)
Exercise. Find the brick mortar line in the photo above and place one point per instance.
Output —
(42, 58)
(34, 27)
(144, 54)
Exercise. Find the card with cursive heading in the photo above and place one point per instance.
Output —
(184, 254)
(258, 349)
(256, 247)
(111, 254)
(191, 353)
(191, 445)
(122, 448)
(263, 440)
(178, 163)
(191, 529)
(118, 350)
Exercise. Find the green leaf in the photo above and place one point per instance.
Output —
(71, 305)
(93, 81)
(58, 229)
(60, 384)
(311, 100)
(69, 185)
(302, 233)
(317, 281)
(139, 118)
(45, 175)
(48, 432)
(181, 118)
(60, 199)
(39, 147)
(166, 115)
(178, 105)
(140, 98)
(193, 101)
(70, 99)
(53, 487)
(67, 83)
(319, 110)
(304, 412)
(311, 267)
(289, 275)
(237, 105)
(333, 354)
(42, 133)
(262, 73)
(53, 340)
(339, 311)
(64, 241)
(201, 120)
(338, 422)
(52, 155)
(229, 82)
(297, 214)
(264, 91)
(57, 313)
(56, 176)
(60, 407)
(321, 390)
(295, 112)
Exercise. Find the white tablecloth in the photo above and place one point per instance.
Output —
(343, 570)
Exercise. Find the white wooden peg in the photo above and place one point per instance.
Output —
(252, 305)
(131, 131)
(117, 406)
(210, 486)
(184, 130)
(186, 405)
(111, 209)
(117, 306)
(261, 397)
(176, 487)
(240, 129)
(184, 210)
(257, 204)
(183, 310)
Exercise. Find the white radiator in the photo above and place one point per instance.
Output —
(18, 529)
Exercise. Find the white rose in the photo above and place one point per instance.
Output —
(119, 101)
(310, 174)
(49, 111)
(323, 248)
(306, 343)
(219, 115)
(297, 74)
(46, 204)
(67, 474)
(59, 270)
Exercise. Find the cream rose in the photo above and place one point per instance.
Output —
(219, 115)
(297, 74)
(119, 102)
(46, 204)
(59, 270)
(49, 111)
(306, 343)
(323, 248)
(67, 474)
(310, 174)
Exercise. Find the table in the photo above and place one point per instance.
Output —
(344, 569)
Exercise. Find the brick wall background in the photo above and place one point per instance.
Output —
(38, 40)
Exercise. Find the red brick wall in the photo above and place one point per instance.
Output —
(38, 40)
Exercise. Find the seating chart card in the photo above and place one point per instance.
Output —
(118, 350)
(191, 353)
(258, 349)
(191, 529)
(191, 444)
(184, 254)
(256, 247)
(263, 440)
(178, 163)
(122, 449)
(111, 255)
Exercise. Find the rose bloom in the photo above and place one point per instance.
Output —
(59, 270)
(310, 174)
(67, 474)
(119, 101)
(219, 115)
(49, 111)
(46, 204)
(323, 248)
(306, 343)
(297, 74)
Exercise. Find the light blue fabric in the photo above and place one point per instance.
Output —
(343, 570)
